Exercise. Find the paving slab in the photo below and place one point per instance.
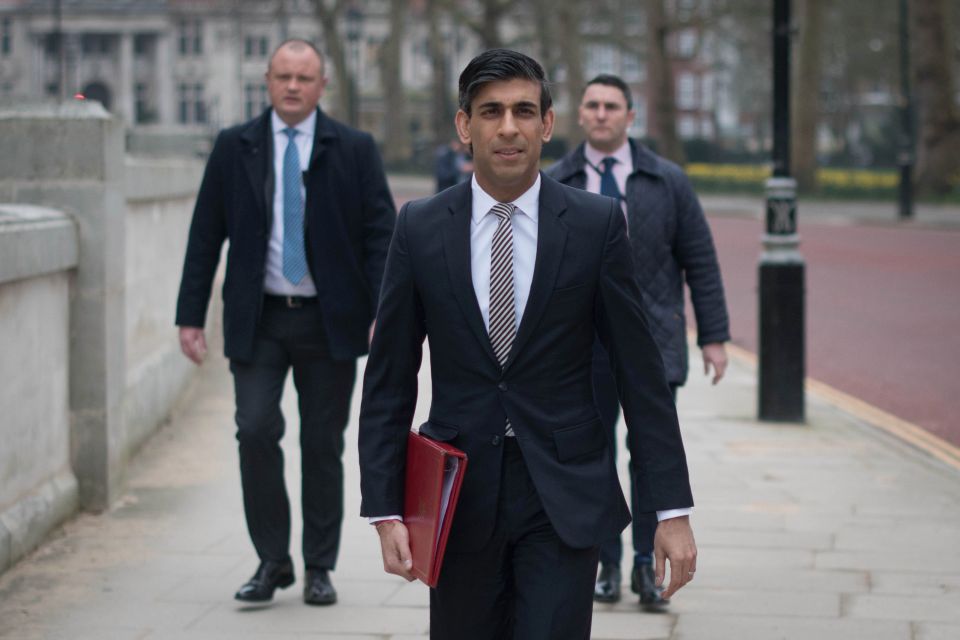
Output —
(827, 530)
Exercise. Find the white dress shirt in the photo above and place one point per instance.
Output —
(525, 225)
(482, 226)
(274, 281)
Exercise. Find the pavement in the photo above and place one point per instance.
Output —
(832, 530)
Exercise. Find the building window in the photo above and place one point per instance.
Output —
(190, 38)
(256, 46)
(95, 44)
(6, 37)
(51, 45)
(707, 93)
(193, 109)
(687, 126)
(686, 90)
(707, 129)
(143, 114)
(141, 45)
(255, 99)
(687, 43)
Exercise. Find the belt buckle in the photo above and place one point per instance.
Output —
(293, 302)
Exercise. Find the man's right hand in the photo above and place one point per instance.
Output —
(193, 344)
(395, 546)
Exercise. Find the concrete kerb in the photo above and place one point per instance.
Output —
(900, 430)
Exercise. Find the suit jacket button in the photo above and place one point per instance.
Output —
(495, 441)
(502, 386)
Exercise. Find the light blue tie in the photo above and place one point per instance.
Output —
(294, 252)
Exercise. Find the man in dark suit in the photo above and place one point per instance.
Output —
(304, 203)
(671, 245)
(511, 276)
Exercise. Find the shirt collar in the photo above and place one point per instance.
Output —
(306, 127)
(595, 156)
(528, 203)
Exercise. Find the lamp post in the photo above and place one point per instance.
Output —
(354, 20)
(781, 272)
(905, 154)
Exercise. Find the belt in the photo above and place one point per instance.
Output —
(290, 302)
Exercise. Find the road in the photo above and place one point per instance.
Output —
(883, 312)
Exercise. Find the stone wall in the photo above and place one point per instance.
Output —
(38, 489)
(90, 364)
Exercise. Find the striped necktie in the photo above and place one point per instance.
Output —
(503, 311)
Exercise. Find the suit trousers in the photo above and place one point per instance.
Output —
(644, 524)
(525, 584)
(292, 338)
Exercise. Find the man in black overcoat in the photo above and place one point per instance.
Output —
(304, 204)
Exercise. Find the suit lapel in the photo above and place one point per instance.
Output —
(456, 249)
(257, 146)
(551, 240)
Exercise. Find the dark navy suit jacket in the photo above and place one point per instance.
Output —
(583, 285)
(349, 218)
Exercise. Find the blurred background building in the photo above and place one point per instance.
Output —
(700, 69)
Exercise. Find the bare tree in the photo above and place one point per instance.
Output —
(570, 19)
(660, 88)
(806, 96)
(938, 149)
(487, 24)
(396, 138)
(330, 14)
(441, 108)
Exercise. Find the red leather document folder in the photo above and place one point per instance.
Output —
(434, 475)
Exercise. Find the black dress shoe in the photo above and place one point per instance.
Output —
(643, 581)
(268, 577)
(607, 588)
(318, 588)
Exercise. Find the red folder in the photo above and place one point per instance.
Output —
(433, 478)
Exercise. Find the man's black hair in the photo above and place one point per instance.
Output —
(611, 80)
(495, 65)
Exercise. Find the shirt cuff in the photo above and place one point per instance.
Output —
(376, 519)
(673, 513)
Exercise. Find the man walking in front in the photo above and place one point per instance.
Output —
(511, 276)
(671, 244)
(305, 206)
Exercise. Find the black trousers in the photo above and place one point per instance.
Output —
(293, 339)
(526, 584)
(644, 524)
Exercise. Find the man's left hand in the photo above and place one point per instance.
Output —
(674, 542)
(715, 355)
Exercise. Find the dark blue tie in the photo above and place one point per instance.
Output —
(294, 252)
(608, 184)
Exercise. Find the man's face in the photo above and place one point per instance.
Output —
(295, 82)
(604, 117)
(507, 132)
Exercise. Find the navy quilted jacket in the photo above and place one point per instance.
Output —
(671, 243)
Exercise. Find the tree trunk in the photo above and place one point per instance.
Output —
(938, 140)
(660, 90)
(441, 108)
(344, 83)
(395, 139)
(806, 96)
(568, 14)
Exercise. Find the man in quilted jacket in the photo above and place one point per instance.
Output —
(671, 244)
